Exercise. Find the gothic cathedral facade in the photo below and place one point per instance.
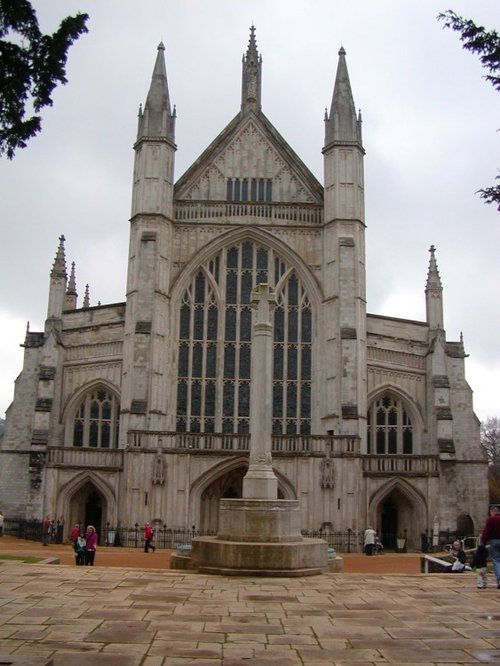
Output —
(139, 411)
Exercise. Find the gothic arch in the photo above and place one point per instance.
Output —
(92, 482)
(413, 494)
(397, 508)
(413, 407)
(410, 406)
(258, 236)
(212, 318)
(224, 469)
(74, 399)
(69, 411)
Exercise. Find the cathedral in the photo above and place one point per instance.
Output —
(139, 411)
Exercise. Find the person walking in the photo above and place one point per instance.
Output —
(369, 540)
(2, 520)
(148, 538)
(46, 530)
(479, 562)
(90, 545)
(491, 535)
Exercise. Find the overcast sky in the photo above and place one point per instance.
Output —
(429, 129)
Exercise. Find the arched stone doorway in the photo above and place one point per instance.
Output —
(465, 525)
(88, 500)
(398, 510)
(88, 506)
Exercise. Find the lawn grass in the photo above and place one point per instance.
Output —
(27, 559)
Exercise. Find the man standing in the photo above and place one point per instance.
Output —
(491, 534)
(369, 540)
(46, 530)
(1, 523)
(148, 538)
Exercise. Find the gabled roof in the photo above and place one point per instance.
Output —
(308, 181)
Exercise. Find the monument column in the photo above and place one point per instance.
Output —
(259, 534)
(260, 481)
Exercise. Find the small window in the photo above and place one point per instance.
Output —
(249, 189)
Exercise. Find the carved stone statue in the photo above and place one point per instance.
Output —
(327, 472)
(159, 470)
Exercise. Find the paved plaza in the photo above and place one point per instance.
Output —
(78, 616)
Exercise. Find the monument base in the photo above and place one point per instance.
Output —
(306, 557)
(259, 538)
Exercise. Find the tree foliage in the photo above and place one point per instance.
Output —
(486, 43)
(490, 439)
(31, 65)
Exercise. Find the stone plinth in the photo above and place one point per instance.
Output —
(259, 520)
(300, 558)
(259, 538)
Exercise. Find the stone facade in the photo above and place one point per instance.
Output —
(139, 410)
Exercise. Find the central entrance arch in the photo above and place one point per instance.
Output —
(224, 481)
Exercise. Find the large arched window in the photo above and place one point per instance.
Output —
(96, 420)
(213, 383)
(390, 429)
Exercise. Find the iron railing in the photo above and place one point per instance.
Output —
(343, 541)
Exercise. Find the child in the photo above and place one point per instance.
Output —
(479, 562)
(80, 544)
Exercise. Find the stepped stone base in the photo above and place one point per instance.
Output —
(259, 538)
(306, 557)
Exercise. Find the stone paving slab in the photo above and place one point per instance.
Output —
(60, 615)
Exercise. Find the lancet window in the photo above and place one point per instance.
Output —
(390, 429)
(96, 422)
(249, 189)
(214, 355)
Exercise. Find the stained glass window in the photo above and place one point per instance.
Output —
(390, 428)
(96, 421)
(214, 352)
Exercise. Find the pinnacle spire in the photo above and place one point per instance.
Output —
(86, 297)
(59, 265)
(156, 120)
(57, 289)
(251, 80)
(72, 280)
(434, 294)
(71, 293)
(433, 277)
(342, 125)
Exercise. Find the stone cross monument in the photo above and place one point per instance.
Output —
(259, 534)
(260, 481)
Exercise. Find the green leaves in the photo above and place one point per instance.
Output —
(487, 44)
(31, 66)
